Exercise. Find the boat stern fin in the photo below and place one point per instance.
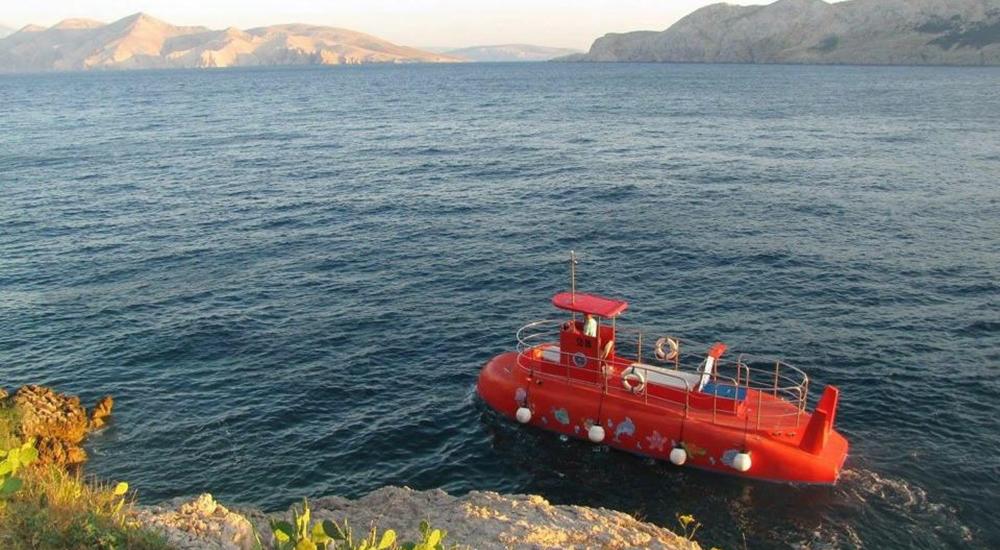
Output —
(821, 424)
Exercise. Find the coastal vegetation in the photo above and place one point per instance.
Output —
(46, 502)
(44, 505)
(302, 534)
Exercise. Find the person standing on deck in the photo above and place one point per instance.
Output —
(590, 326)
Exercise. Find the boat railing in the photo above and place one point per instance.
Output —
(785, 383)
(774, 392)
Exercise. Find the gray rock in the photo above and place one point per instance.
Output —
(201, 523)
(481, 519)
(882, 32)
(485, 520)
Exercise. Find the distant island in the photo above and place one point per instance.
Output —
(143, 42)
(871, 32)
(509, 52)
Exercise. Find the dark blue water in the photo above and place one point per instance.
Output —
(290, 278)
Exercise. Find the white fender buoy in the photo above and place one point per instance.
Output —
(523, 415)
(741, 462)
(595, 434)
(678, 456)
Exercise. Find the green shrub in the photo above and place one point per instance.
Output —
(11, 461)
(433, 539)
(45, 507)
(302, 534)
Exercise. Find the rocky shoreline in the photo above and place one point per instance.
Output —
(479, 520)
(484, 520)
(58, 423)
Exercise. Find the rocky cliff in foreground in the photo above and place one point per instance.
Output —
(903, 32)
(143, 42)
(479, 520)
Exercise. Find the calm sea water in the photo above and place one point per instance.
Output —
(290, 278)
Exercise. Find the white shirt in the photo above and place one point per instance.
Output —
(590, 327)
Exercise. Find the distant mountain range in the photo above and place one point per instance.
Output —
(905, 32)
(509, 52)
(143, 42)
(4, 31)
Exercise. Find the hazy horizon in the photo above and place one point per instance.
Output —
(418, 23)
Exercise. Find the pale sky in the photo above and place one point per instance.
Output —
(427, 23)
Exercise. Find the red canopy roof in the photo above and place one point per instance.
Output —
(589, 303)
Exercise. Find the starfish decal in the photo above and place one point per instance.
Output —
(656, 441)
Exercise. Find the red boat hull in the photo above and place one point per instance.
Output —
(808, 452)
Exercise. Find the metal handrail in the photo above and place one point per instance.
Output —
(798, 378)
(786, 384)
(788, 371)
(789, 378)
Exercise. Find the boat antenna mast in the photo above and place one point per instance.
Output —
(572, 275)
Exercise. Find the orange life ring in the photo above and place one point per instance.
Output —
(672, 343)
(633, 380)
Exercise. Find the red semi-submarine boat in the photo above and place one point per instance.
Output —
(584, 377)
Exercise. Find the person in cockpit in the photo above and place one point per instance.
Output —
(590, 326)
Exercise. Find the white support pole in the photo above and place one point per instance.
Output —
(572, 275)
